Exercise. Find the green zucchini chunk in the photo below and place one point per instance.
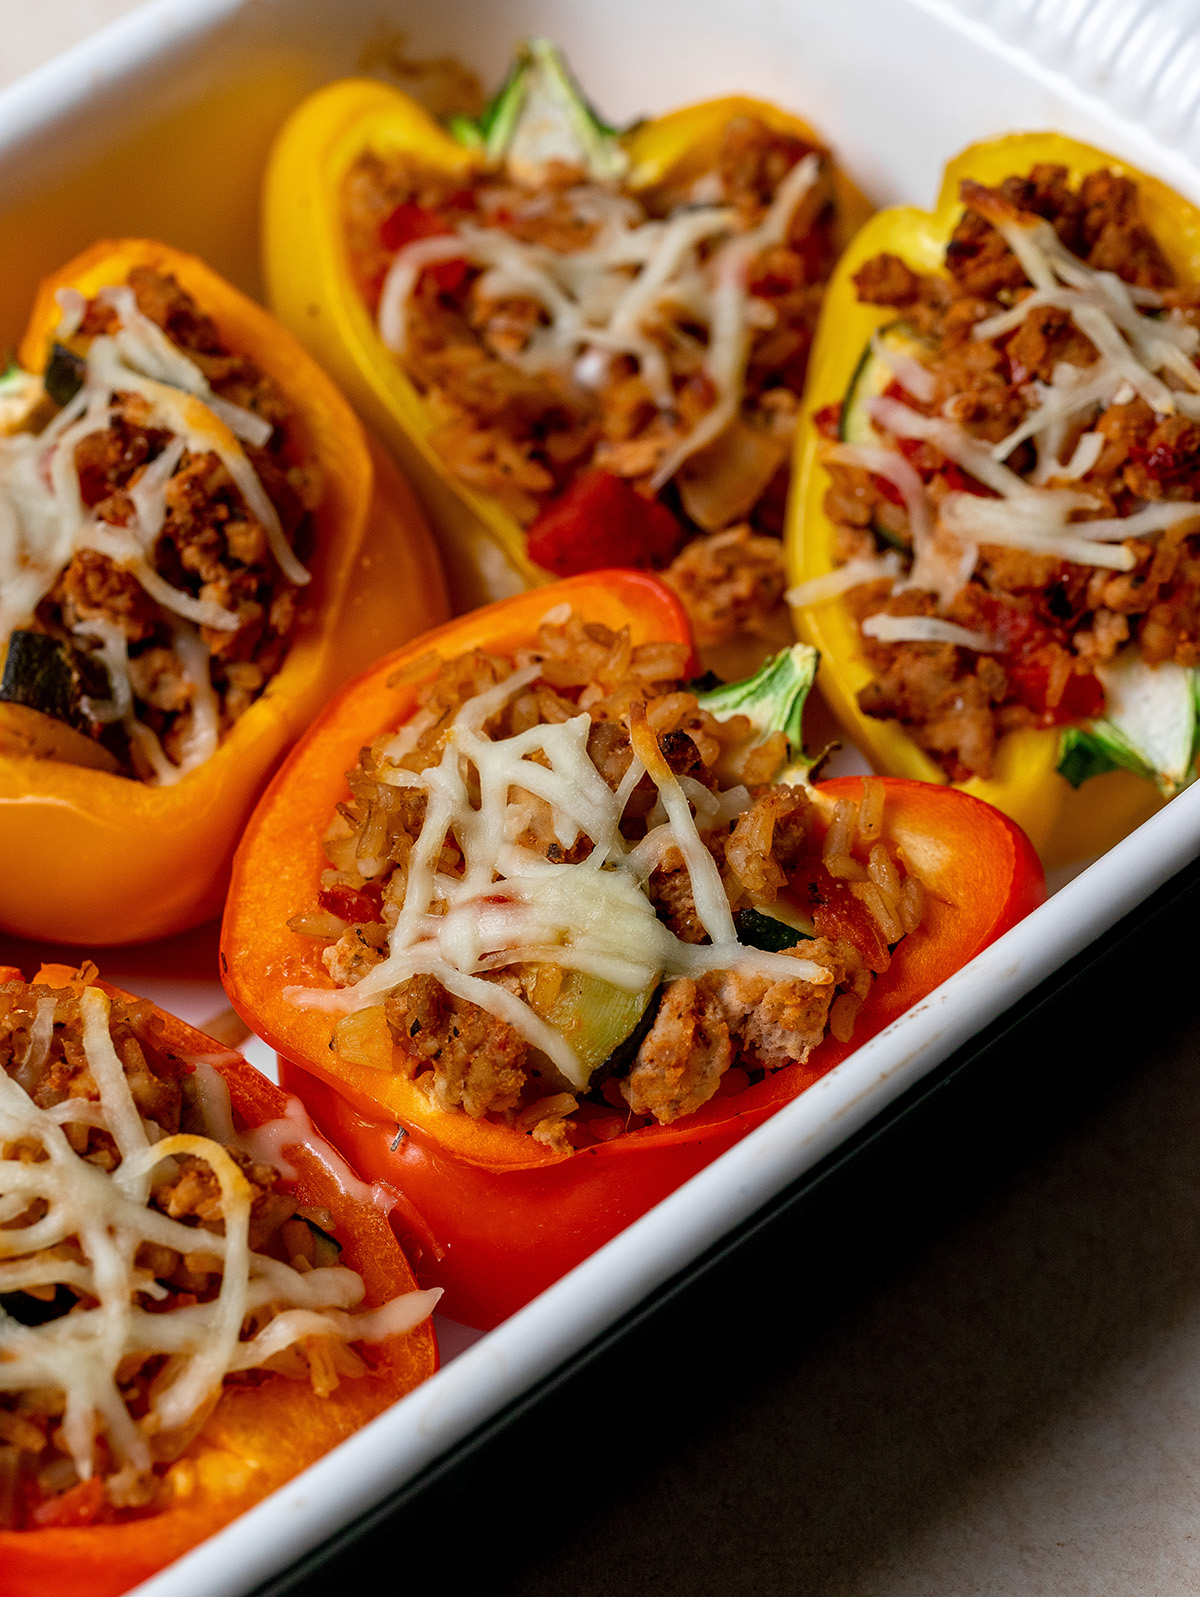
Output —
(598, 1019)
(64, 374)
(1151, 726)
(39, 672)
(760, 928)
(1081, 755)
(870, 378)
(41, 705)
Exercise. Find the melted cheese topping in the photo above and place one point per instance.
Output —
(1136, 352)
(106, 1218)
(609, 299)
(928, 629)
(44, 522)
(831, 584)
(511, 905)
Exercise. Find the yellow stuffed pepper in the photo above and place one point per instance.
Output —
(585, 349)
(991, 538)
(198, 545)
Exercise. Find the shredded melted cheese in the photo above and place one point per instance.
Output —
(44, 522)
(108, 1217)
(1136, 354)
(928, 629)
(511, 906)
(609, 298)
(832, 584)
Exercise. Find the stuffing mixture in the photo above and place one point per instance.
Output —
(167, 574)
(713, 1014)
(1070, 400)
(620, 369)
(43, 1054)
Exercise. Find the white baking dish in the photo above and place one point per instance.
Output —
(160, 125)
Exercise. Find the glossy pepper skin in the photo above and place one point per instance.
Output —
(258, 1436)
(100, 859)
(1065, 823)
(311, 289)
(510, 1214)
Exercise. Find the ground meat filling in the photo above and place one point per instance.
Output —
(523, 429)
(41, 1049)
(1056, 620)
(210, 547)
(696, 1037)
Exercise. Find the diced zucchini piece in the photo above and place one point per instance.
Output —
(466, 131)
(595, 1017)
(39, 672)
(772, 927)
(1150, 726)
(871, 377)
(773, 698)
(1081, 755)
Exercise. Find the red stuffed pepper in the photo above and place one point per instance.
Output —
(567, 937)
(185, 1326)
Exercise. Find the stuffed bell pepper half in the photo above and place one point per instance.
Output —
(995, 536)
(540, 924)
(586, 348)
(197, 546)
(199, 1299)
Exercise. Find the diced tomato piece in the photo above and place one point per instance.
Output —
(447, 276)
(610, 1091)
(913, 449)
(1018, 629)
(408, 222)
(837, 913)
(1166, 461)
(93, 484)
(355, 904)
(1027, 640)
(814, 251)
(828, 420)
(593, 1124)
(963, 483)
(1082, 699)
(602, 521)
(79, 1506)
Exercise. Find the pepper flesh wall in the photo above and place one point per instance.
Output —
(512, 1211)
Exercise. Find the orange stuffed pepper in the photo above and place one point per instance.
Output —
(562, 939)
(197, 546)
(255, 1310)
